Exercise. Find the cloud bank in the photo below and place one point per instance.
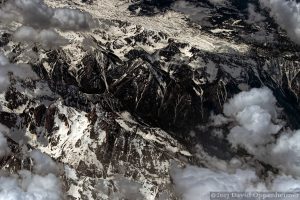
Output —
(37, 14)
(257, 130)
(25, 185)
(255, 115)
(253, 111)
(194, 183)
(47, 38)
(28, 186)
(43, 164)
(287, 15)
(39, 21)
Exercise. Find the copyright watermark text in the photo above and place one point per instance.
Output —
(254, 195)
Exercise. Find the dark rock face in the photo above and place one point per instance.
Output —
(4, 40)
(90, 76)
(39, 114)
(8, 119)
(49, 118)
(60, 72)
(15, 98)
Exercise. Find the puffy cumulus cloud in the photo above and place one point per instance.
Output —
(287, 15)
(194, 183)
(47, 38)
(285, 153)
(37, 14)
(254, 112)
(20, 70)
(262, 97)
(255, 128)
(28, 186)
(254, 115)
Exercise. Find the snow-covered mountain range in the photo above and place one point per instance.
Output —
(149, 99)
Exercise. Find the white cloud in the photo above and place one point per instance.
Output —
(68, 19)
(262, 97)
(255, 128)
(47, 38)
(287, 15)
(37, 14)
(24, 185)
(43, 164)
(194, 183)
(254, 112)
(39, 21)
(28, 186)
(286, 183)
(285, 154)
